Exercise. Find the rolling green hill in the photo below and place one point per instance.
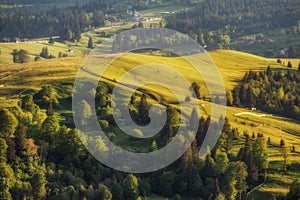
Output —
(16, 79)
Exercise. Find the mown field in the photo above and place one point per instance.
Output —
(16, 79)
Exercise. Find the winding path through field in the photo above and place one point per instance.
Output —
(253, 114)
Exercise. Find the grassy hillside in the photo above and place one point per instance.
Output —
(234, 64)
(21, 78)
(34, 49)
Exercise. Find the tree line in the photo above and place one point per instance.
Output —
(273, 91)
(68, 23)
(214, 19)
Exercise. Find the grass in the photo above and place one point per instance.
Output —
(34, 49)
(17, 78)
(61, 73)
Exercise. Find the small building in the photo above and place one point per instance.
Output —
(252, 108)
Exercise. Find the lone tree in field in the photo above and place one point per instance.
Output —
(50, 109)
(196, 87)
(90, 43)
(20, 56)
(51, 40)
(282, 143)
(290, 65)
(23, 56)
(15, 55)
(285, 154)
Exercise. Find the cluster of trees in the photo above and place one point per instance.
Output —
(20, 56)
(45, 53)
(216, 22)
(40, 158)
(272, 91)
(161, 38)
(68, 23)
(215, 176)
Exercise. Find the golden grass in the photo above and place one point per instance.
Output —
(232, 66)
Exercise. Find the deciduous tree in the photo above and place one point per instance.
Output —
(130, 186)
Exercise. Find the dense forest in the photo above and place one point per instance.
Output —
(68, 23)
(215, 22)
(273, 91)
(42, 158)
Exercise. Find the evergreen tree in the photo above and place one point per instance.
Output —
(20, 140)
(38, 183)
(241, 176)
(248, 158)
(209, 168)
(285, 154)
(15, 55)
(90, 43)
(117, 190)
(236, 97)
(51, 40)
(27, 104)
(229, 182)
(50, 110)
(144, 187)
(167, 181)
(229, 97)
(290, 65)
(143, 111)
(154, 146)
(49, 129)
(282, 143)
(260, 153)
(222, 162)
(45, 53)
(195, 87)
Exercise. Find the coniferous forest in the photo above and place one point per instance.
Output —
(272, 91)
(42, 159)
